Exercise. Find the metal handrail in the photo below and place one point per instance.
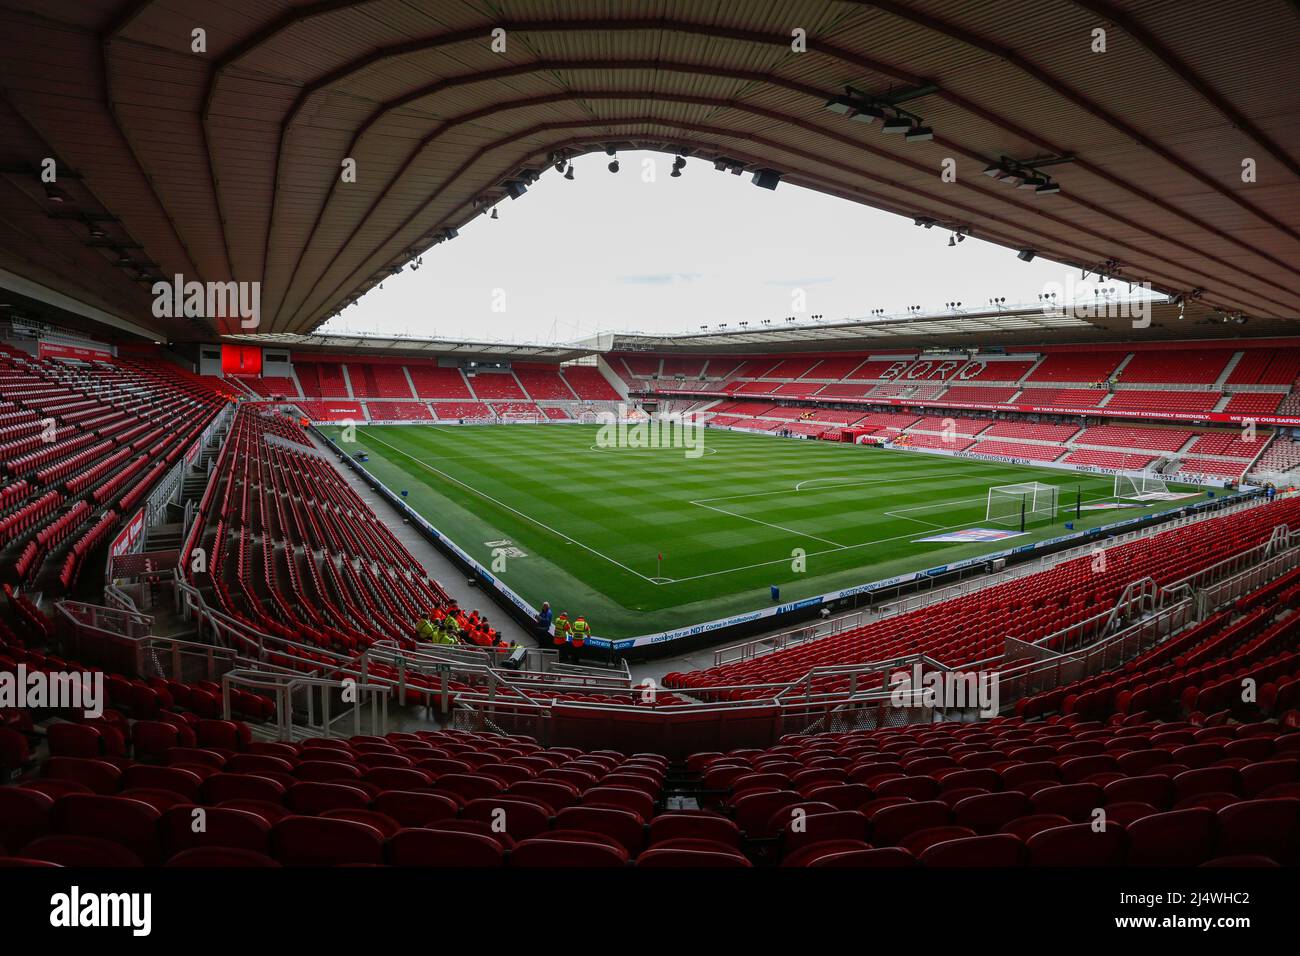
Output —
(285, 686)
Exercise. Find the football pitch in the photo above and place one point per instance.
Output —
(582, 526)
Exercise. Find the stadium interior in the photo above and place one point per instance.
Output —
(184, 518)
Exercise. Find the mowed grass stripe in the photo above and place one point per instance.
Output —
(592, 521)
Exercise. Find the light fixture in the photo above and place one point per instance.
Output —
(1048, 188)
(1026, 255)
(613, 165)
(866, 115)
(896, 125)
(54, 194)
(919, 134)
(494, 213)
(568, 173)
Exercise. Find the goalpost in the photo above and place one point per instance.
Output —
(1021, 504)
(1140, 487)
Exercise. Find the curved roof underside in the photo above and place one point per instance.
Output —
(226, 164)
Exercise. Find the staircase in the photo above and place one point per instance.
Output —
(1227, 371)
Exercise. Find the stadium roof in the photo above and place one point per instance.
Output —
(412, 345)
(970, 328)
(226, 163)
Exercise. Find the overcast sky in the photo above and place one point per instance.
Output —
(613, 252)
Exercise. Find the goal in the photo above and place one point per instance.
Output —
(1141, 487)
(1019, 505)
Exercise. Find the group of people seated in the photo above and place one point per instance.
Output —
(451, 625)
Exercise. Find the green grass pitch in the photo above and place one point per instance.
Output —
(589, 522)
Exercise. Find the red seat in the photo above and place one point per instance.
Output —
(997, 849)
(989, 812)
(24, 816)
(131, 823)
(914, 788)
(1155, 789)
(468, 786)
(212, 857)
(1251, 861)
(642, 804)
(272, 813)
(315, 841)
(892, 824)
(1177, 838)
(385, 824)
(518, 817)
(820, 827)
(196, 755)
(545, 851)
(1259, 777)
(624, 826)
(326, 771)
(808, 854)
(757, 813)
(883, 857)
(186, 827)
(1025, 827)
(223, 733)
(80, 851)
(160, 800)
(1260, 827)
(686, 825)
(691, 859)
(1077, 845)
(258, 763)
(313, 799)
(919, 841)
(842, 796)
(74, 740)
(554, 794)
(397, 778)
(1190, 783)
(101, 777)
(1077, 801)
(153, 738)
(1126, 811)
(423, 847)
(178, 781)
(412, 809)
(221, 787)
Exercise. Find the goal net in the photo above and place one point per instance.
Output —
(1031, 501)
(1140, 487)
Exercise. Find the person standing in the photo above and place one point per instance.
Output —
(581, 631)
(543, 623)
(563, 631)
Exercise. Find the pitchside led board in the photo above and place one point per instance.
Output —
(241, 360)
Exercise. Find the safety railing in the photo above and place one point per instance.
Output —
(312, 706)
